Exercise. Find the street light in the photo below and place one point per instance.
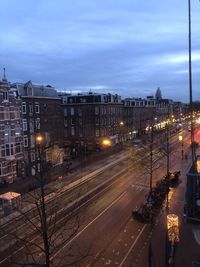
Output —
(106, 142)
(44, 225)
(180, 138)
(190, 80)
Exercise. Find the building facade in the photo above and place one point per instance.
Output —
(91, 118)
(41, 114)
(11, 138)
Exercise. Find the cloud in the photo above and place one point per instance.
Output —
(126, 47)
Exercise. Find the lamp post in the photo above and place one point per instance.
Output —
(180, 138)
(43, 216)
(190, 79)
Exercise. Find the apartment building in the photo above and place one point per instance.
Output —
(11, 136)
(89, 118)
(41, 114)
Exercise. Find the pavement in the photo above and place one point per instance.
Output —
(187, 251)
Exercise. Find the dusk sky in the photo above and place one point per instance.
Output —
(127, 47)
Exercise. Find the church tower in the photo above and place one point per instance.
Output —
(158, 94)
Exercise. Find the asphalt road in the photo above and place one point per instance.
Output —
(102, 233)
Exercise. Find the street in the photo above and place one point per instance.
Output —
(102, 232)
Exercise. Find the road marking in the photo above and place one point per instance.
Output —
(196, 234)
(129, 251)
(70, 241)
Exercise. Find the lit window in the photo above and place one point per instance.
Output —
(7, 133)
(17, 130)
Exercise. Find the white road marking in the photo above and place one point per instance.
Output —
(196, 234)
(100, 214)
(129, 251)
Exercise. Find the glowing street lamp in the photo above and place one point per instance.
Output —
(106, 143)
(180, 138)
(39, 139)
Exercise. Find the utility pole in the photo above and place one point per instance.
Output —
(190, 81)
(43, 215)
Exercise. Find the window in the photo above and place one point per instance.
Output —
(72, 131)
(24, 124)
(7, 150)
(11, 149)
(65, 122)
(17, 130)
(25, 141)
(72, 111)
(17, 113)
(31, 125)
(7, 133)
(80, 132)
(23, 107)
(32, 140)
(6, 113)
(80, 112)
(37, 108)
(96, 110)
(17, 148)
(30, 109)
(97, 132)
(32, 156)
(3, 151)
(1, 171)
(37, 123)
(5, 96)
(65, 112)
(72, 121)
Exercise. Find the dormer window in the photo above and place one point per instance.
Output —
(5, 96)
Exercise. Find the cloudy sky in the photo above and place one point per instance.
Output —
(129, 47)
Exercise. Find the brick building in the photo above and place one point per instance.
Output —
(138, 114)
(89, 118)
(41, 114)
(11, 140)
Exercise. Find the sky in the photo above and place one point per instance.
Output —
(125, 47)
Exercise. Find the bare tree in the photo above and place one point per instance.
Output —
(45, 223)
(147, 156)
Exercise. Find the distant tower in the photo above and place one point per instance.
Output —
(158, 94)
(4, 79)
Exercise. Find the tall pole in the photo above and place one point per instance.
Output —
(190, 81)
(43, 215)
